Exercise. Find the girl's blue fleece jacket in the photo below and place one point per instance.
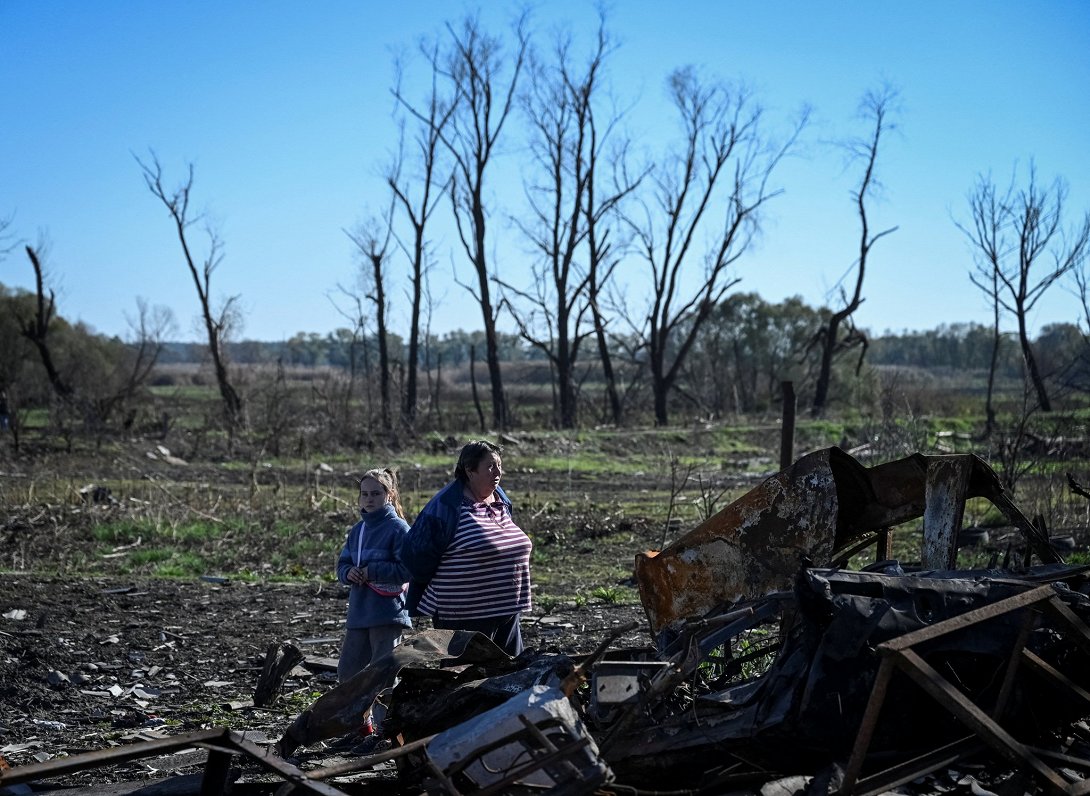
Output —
(383, 534)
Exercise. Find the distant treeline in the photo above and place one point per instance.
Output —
(743, 354)
(961, 346)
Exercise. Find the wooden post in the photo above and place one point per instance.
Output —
(787, 431)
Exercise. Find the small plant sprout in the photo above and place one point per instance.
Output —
(607, 594)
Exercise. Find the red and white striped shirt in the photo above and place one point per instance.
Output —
(485, 571)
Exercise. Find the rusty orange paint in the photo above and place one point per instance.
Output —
(815, 509)
(750, 548)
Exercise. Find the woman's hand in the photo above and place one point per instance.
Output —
(357, 575)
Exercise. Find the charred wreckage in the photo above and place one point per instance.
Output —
(771, 663)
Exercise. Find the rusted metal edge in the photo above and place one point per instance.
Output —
(945, 487)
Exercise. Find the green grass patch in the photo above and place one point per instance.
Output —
(122, 531)
(186, 392)
(311, 547)
(149, 555)
(204, 530)
(181, 565)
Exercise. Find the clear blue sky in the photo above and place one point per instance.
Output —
(284, 109)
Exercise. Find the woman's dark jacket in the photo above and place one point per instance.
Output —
(430, 535)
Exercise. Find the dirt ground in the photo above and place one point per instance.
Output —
(92, 662)
(89, 664)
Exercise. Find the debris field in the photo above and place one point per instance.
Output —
(760, 662)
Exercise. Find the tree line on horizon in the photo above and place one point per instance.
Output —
(680, 221)
(739, 362)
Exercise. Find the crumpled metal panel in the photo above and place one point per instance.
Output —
(749, 549)
(935, 488)
(487, 748)
(813, 509)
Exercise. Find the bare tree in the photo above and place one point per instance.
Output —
(36, 329)
(1081, 366)
(97, 376)
(358, 319)
(149, 330)
(713, 188)
(602, 214)
(432, 119)
(875, 108)
(993, 360)
(372, 239)
(986, 234)
(1020, 242)
(558, 106)
(475, 66)
(217, 324)
(600, 265)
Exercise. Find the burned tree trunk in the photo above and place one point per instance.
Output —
(279, 661)
(36, 330)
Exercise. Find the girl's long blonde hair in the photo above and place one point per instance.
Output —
(388, 479)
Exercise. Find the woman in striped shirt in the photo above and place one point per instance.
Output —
(469, 561)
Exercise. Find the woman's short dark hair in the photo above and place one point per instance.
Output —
(471, 455)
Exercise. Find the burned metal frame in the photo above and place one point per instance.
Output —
(899, 654)
(341, 710)
(221, 743)
(703, 636)
(825, 507)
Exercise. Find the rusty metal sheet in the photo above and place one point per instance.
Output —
(825, 502)
(749, 549)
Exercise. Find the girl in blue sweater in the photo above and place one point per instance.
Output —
(370, 564)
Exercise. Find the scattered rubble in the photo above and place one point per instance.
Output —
(770, 666)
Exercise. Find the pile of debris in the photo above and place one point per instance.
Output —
(772, 665)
